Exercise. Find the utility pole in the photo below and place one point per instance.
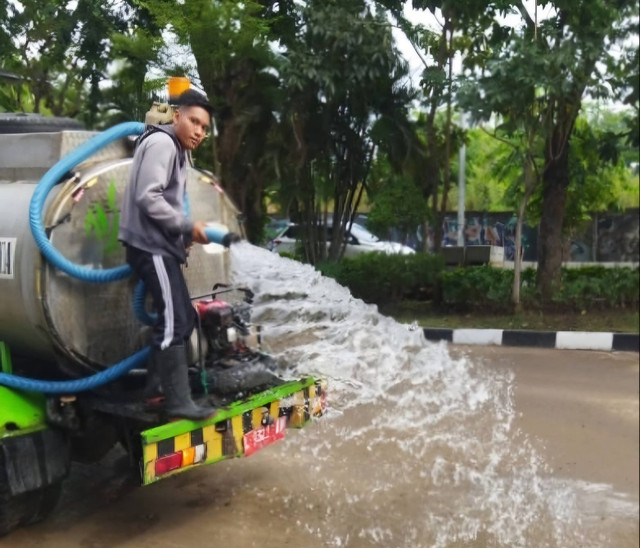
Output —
(461, 185)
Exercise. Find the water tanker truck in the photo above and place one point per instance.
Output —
(74, 325)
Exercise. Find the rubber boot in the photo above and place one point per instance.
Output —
(173, 369)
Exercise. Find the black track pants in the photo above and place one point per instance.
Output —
(165, 281)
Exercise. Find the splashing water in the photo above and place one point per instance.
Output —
(418, 449)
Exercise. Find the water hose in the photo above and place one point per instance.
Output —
(79, 385)
(139, 309)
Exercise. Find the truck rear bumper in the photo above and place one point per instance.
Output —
(235, 431)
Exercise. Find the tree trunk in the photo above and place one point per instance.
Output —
(556, 181)
(530, 185)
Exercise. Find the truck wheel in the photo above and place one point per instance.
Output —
(27, 508)
(11, 510)
(45, 501)
(20, 122)
(32, 467)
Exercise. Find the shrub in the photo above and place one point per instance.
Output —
(477, 287)
(597, 286)
(380, 278)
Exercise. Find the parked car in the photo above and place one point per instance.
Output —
(360, 240)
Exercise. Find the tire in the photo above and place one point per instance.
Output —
(30, 506)
(11, 510)
(26, 508)
(36, 123)
(46, 501)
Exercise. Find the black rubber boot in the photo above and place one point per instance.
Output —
(173, 369)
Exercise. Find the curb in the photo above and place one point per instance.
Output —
(566, 340)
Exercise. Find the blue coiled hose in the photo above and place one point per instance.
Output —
(79, 385)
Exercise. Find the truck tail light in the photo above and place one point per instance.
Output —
(180, 459)
(169, 462)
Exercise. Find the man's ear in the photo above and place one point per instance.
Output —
(176, 115)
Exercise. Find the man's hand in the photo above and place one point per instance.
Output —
(198, 234)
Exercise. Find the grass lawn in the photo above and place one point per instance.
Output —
(617, 321)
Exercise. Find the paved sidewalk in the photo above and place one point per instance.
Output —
(569, 340)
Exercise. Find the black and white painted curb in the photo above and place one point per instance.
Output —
(568, 340)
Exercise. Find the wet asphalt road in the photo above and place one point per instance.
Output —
(579, 408)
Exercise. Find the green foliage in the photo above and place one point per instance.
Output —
(595, 286)
(62, 52)
(381, 278)
(479, 287)
(490, 169)
(398, 202)
(341, 75)
(485, 288)
(535, 78)
(384, 279)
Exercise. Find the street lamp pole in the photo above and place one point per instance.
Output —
(461, 185)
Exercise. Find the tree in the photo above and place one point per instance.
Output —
(577, 41)
(235, 65)
(549, 68)
(342, 73)
(521, 122)
(61, 51)
(397, 201)
(437, 50)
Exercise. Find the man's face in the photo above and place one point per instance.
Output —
(191, 125)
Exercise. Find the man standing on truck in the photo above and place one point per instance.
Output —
(157, 233)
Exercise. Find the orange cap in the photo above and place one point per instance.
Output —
(177, 86)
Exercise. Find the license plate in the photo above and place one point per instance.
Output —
(265, 435)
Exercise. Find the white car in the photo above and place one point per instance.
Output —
(360, 241)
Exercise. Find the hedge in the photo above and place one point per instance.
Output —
(381, 279)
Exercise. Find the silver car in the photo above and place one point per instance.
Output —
(360, 240)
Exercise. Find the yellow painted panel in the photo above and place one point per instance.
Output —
(213, 440)
(182, 441)
(150, 452)
(150, 455)
(256, 418)
(297, 410)
(238, 432)
(275, 409)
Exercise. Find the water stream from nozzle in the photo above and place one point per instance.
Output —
(418, 449)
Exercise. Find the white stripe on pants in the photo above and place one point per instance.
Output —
(165, 286)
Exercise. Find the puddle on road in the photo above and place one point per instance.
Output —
(418, 449)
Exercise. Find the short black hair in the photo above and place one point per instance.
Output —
(193, 98)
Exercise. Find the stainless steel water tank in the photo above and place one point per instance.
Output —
(44, 313)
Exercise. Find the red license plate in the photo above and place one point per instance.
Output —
(266, 435)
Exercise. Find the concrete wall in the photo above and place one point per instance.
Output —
(607, 237)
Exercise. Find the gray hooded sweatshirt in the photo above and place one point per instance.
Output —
(152, 217)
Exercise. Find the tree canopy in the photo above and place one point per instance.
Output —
(314, 105)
